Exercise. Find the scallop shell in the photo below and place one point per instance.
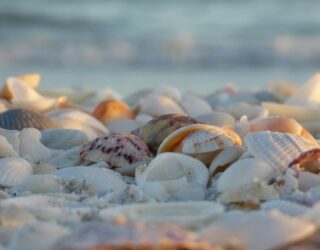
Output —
(37, 236)
(17, 119)
(186, 214)
(68, 158)
(6, 149)
(12, 137)
(258, 230)
(173, 175)
(155, 131)
(63, 138)
(217, 118)
(194, 105)
(244, 171)
(102, 180)
(112, 110)
(13, 170)
(277, 149)
(123, 126)
(285, 207)
(31, 148)
(117, 150)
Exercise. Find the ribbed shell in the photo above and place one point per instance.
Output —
(17, 119)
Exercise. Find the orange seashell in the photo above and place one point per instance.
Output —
(110, 110)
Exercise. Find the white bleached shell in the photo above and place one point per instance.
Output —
(187, 214)
(285, 207)
(277, 149)
(63, 138)
(102, 180)
(12, 137)
(123, 126)
(176, 175)
(75, 119)
(68, 158)
(307, 180)
(168, 91)
(31, 148)
(13, 170)
(37, 236)
(194, 105)
(244, 171)
(6, 149)
(258, 230)
(217, 118)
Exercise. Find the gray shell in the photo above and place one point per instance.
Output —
(17, 119)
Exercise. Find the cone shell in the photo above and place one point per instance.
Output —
(155, 131)
(17, 119)
(111, 110)
(116, 149)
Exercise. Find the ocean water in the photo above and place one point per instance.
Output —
(194, 44)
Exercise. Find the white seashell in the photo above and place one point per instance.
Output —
(244, 171)
(314, 193)
(43, 168)
(277, 149)
(285, 207)
(254, 192)
(68, 158)
(173, 174)
(63, 138)
(6, 149)
(14, 217)
(123, 126)
(313, 214)
(168, 91)
(286, 184)
(217, 118)
(186, 214)
(31, 148)
(194, 105)
(37, 236)
(143, 118)
(224, 158)
(258, 230)
(75, 119)
(102, 180)
(13, 170)
(155, 105)
(12, 137)
(251, 111)
(307, 180)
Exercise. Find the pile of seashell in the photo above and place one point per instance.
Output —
(159, 169)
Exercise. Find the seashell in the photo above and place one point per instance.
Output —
(194, 105)
(258, 230)
(14, 217)
(251, 111)
(37, 236)
(102, 180)
(4, 105)
(143, 118)
(173, 175)
(168, 91)
(277, 149)
(244, 171)
(75, 119)
(118, 150)
(133, 99)
(123, 126)
(17, 119)
(112, 110)
(255, 191)
(12, 137)
(285, 207)
(155, 131)
(43, 168)
(63, 138)
(307, 161)
(31, 148)
(13, 170)
(282, 90)
(200, 140)
(224, 158)
(313, 214)
(156, 105)
(286, 184)
(307, 180)
(217, 118)
(68, 158)
(6, 149)
(194, 213)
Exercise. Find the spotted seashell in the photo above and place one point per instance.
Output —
(117, 150)
(155, 131)
(17, 119)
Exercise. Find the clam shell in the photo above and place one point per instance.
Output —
(123, 126)
(277, 149)
(17, 119)
(186, 214)
(116, 149)
(31, 148)
(258, 230)
(217, 118)
(155, 131)
(194, 105)
(63, 138)
(6, 149)
(13, 170)
(68, 158)
(285, 207)
(173, 175)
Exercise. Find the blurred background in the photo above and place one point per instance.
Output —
(193, 44)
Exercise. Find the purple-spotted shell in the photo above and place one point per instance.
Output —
(117, 150)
